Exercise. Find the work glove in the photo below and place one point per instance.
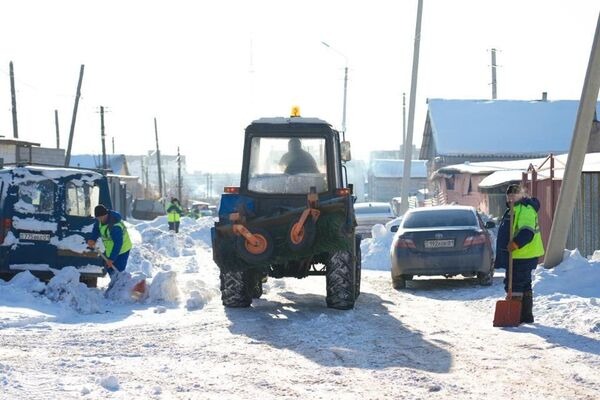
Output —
(91, 243)
(512, 246)
(109, 263)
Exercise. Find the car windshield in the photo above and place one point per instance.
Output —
(284, 165)
(36, 197)
(439, 218)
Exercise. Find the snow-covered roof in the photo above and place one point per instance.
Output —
(502, 172)
(388, 168)
(502, 127)
(42, 173)
(289, 120)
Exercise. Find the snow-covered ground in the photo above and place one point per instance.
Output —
(434, 340)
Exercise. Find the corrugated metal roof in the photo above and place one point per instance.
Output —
(502, 127)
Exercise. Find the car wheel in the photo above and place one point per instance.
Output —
(399, 283)
(486, 278)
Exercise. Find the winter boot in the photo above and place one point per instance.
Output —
(527, 308)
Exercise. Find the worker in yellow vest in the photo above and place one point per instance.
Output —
(109, 226)
(525, 245)
(174, 212)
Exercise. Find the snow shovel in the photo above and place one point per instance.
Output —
(508, 311)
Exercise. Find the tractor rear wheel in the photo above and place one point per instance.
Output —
(340, 277)
(235, 290)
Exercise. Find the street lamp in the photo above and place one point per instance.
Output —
(345, 87)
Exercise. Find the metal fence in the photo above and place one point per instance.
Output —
(585, 223)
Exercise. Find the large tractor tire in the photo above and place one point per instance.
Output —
(235, 290)
(340, 276)
(256, 287)
(358, 266)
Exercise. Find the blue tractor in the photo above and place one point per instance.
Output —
(291, 216)
(45, 215)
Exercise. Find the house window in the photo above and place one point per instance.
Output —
(450, 183)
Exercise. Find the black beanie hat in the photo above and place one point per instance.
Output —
(513, 188)
(100, 210)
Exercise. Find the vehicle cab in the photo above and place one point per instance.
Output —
(46, 214)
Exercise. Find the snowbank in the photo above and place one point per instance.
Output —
(567, 295)
(375, 251)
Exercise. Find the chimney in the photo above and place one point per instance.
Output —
(544, 96)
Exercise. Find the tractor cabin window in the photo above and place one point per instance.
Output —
(287, 165)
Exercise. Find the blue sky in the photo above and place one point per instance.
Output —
(206, 69)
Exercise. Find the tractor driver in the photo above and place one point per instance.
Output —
(297, 160)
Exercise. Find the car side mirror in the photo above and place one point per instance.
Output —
(345, 150)
(394, 228)
(490, 225)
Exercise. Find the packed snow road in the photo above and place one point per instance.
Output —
(433, 340)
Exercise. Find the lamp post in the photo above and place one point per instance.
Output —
(345, 87)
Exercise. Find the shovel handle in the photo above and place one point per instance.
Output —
(510, 257)
(106, 259)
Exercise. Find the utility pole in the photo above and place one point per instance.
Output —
(13, 96)
(411, 114)
(494, 94)
(403, 118)
(57, 131)
(113, 145)
(345, 88)
(207, 184)
(74, 118)
(179, 175)
(160, 182)
(103, 139)
(572, 175)
(344, 109)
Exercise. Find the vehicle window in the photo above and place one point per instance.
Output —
(439, 218)
(289, 166)
(81, 199)
(36, 197)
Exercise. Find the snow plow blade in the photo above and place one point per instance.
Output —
(508, 313)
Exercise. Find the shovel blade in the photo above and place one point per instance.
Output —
(139, 290)
(508, 313)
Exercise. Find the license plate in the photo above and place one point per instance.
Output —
(436, 244)
(34, 236)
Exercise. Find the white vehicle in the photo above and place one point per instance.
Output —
(371, 213)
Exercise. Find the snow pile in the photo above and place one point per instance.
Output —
(65, 287)
(375, 250)
(121, 289)
(202, 294)
(164, 287)
(168, 243)
(27, 282)
(567, 295)
(199, 229)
